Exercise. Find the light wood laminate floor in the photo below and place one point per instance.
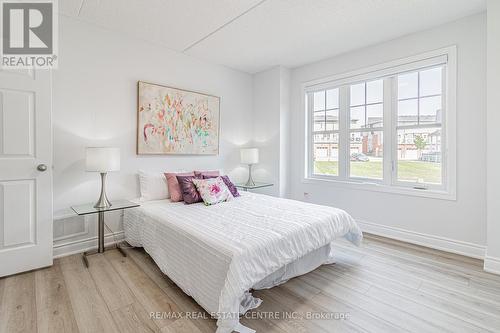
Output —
(384, 286)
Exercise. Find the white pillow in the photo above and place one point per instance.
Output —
(153, 186)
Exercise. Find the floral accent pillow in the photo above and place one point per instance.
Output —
(229, 184)
(212, 190)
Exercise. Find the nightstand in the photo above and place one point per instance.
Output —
(257, 185)
(88, 209)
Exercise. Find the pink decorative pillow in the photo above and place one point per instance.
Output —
(173, 185)
(212, 190)
(212, 173)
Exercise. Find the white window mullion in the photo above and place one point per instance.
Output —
(344, 140)
(389, 138)
(394, 129)
(310, 136)
(444, 130)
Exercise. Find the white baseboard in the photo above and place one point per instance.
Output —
(492, 265)
(86, 244)
(435, 242)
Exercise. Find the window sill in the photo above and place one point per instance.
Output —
(375, 187)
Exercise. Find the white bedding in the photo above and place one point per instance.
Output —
(217, 253)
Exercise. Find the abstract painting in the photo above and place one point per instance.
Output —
(176, 121)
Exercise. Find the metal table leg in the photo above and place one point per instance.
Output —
(100, 248)
(100, 245)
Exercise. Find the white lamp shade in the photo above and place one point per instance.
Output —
(249, 155)
(102, 159)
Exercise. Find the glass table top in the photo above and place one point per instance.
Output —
(257, 185)
(115, 205)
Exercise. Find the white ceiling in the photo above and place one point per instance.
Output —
(254, 35)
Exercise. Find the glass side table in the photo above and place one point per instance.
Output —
(257, 185)
(88, 209)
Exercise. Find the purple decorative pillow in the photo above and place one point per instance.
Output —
(212, 173)
(189, 192)
(228, 182)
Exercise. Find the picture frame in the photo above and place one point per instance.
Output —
(174, 121)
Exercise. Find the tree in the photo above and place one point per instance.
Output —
(420, 143)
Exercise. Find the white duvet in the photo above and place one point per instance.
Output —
(217, 253)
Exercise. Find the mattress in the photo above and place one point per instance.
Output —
(216, 254)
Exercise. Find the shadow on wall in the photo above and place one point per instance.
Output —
(268, 168)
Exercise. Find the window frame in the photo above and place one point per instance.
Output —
(362, 130)
(312, 132)
(442, 126)
(445, 57)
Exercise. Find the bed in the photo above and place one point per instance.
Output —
(217, 254)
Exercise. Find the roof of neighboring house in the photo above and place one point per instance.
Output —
(402, 120)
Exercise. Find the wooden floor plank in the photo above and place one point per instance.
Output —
(423, 251)
(465, 310)
(113, 290)
(290, 303)
(362, 319)
(384, 286)
(181, 326)
(133, 318)
(18, 304)
(424, 312)
(152, 298)
(367, 321)
(89, 308)
(301, 288)
(183, 302)
(147, 264)
(270, 306)
(2, 284)
(426, 257)
(453, 278)
(383, 265)
(444, 266)
(395, 316)
(54, 310)
(481, 304)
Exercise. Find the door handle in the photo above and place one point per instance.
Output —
(41, 167)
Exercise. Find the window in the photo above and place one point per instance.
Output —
(326, 132)
(419, 118)
(366, 121)
(389, 126)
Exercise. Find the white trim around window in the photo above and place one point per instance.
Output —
(343, 131)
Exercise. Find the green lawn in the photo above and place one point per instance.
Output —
(407, 170)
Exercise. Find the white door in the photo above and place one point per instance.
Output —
(25, 191)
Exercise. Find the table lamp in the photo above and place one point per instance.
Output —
(249, 156)
(102, 160)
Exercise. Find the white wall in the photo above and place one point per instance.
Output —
(266, 96)
(492, 261)
(455, 225)
(285, 122)
(271, 128)
(95, 98)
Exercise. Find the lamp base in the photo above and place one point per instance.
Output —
(103, 201)
(250, 181)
